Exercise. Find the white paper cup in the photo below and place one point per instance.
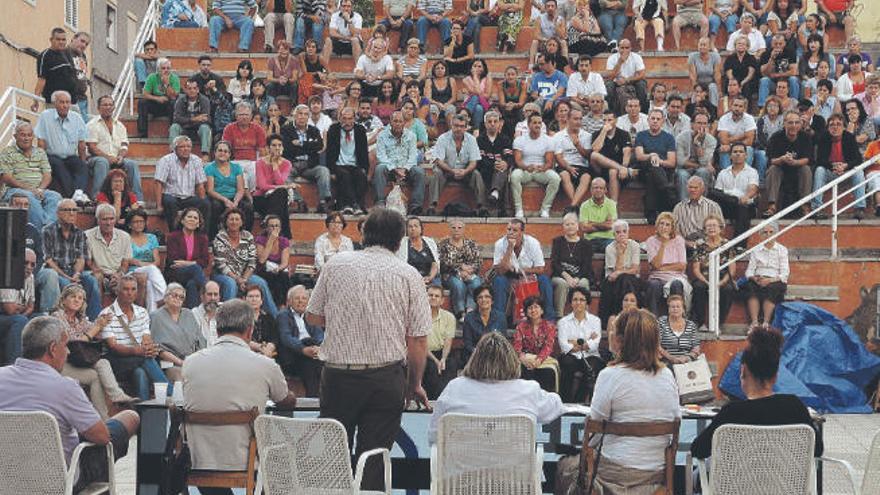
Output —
(161, 391)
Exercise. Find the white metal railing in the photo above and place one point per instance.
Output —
(13, 109)
(715, 266)
(124, 90)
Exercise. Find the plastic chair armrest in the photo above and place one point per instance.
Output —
(434, 473)
(70, 477)
(704, 477)
(850, 472)
(539, 468)
(362, 461)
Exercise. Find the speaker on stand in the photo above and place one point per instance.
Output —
(12, 244)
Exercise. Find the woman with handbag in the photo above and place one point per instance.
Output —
(177, 332)
(534, 340)
(84, 363)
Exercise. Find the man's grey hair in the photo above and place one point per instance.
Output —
(697, 180)
(127, 278)
(618, 224)
(570, 216)
(293, 290)
(104, 208)
(774, 225)
(491, 113)
(39, 334)
(172, 287)
(244, 106)
(58, 94)
(162, 61)
(301, 106)
(234, 316)
(179, 139)
(22, 124)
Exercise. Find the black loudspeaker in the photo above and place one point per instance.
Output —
(12, 244)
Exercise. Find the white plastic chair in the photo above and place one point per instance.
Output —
(310, 456)
(760, 460)
(32, 457)
(486, 455)
(871, 480)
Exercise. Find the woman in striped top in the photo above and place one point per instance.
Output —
(678, 336)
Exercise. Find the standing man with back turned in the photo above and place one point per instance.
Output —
(376, 320)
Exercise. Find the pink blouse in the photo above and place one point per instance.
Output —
(675, 252)
(270, 179)
(190, 241)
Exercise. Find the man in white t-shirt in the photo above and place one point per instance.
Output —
(584, 83)
(345, 32)
(573, 147)
(515, 256)
(757, 43)
(626, 72)
(533, 154)
(634, 121)
(374, 68)
(735, 126)
(736, 190)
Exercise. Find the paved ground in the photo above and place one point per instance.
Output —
(847, 437)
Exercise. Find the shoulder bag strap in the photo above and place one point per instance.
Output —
(126, 328)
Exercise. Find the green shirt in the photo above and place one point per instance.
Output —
(27, 170)
(153, 85)
(593, 213)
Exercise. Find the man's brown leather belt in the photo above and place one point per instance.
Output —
(357, 367)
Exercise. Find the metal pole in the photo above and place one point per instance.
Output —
(834, 222)
(713, 293)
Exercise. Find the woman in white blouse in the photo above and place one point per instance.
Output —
(622, 264)
(579, 334)
(768, 278)
(420, 251)
(636, 387)
(333, 241)
(490, 385)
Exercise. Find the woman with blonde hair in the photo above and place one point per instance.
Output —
(635, 387)
(667, 258)
(99, 378)
(490, 384)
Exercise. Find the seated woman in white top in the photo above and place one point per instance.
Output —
(636, 387)
(490, 385)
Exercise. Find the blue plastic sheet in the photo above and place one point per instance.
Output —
(823, 361)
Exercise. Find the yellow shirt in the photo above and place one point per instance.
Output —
(442, 328)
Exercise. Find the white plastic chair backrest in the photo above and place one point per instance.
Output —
(486, 455)
(303, 456)
(871, 480)
(762, 460)
(31, 455)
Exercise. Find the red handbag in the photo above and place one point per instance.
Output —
(522, 289)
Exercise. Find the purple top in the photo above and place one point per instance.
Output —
(283, 243)
(675, 252)
(30, 385)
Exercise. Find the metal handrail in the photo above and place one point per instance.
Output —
(124, 89)
(11, 111)
(715, 266)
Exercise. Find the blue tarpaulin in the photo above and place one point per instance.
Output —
(823, 361)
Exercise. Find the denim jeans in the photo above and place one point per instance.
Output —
(299, 33)
(83, 108)
(192, 278)
(766, 84)
(140, 72)
(49, 284)
(501, 289)
(682, 175)
(461, 292)
(423, 24)
(822, 176)
(612, 23)
(40, 211)
(100, 166)
(147, 374)
(760, 164)
(405, 29)
(229, 290)
(70, 172)
(243, 23)
(474, 26)
(415, 177)
(10, 333)
(321, 176)
(475, 108)
(203, 133)
(729, 23)
(724, 158)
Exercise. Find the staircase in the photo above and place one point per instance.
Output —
(815, 277)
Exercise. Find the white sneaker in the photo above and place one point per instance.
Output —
(519, 214)
(545, 213)
(80, 197)
(494, 195)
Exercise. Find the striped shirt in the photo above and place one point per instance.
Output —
(311, 7)
(28, 170)
(371, 302)
(678, 345)
(234, 7)
(234, 261)
(180, 181)
(139, 324)
(434, 6)
(690, 215)
(65, 252)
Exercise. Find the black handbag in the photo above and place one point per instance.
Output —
(176, 462)
(84, 354)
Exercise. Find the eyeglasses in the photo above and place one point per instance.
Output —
(177, 295)
(68, 210)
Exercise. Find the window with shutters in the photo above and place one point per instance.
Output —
(112, 27)
(71, 13)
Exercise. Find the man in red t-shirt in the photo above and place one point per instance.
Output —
(248, 140)
(837, 12)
